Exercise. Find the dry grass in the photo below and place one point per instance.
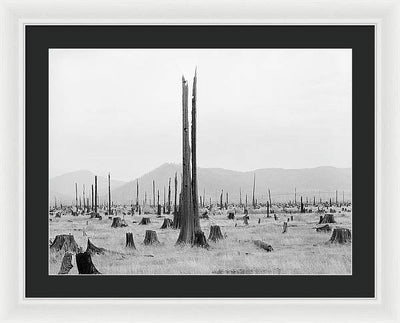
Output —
(299, 251)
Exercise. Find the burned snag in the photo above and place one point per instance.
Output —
(85, 264)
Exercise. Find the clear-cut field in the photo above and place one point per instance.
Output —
(299, 251)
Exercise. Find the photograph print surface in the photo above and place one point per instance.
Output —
(200, 161)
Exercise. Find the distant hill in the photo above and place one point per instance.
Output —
(63, 187)
(320, 182)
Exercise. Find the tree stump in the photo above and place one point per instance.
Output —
(200, 240)
(166, 224)
(129, 240)
(291, 218)
(246, 220)
(324, 228)
(215, 233)
(92, 249)
(118, 223)
(204, 215)
(66, 264)
(145, 221)
(328, 218)
(263, 245)
(231, 215)
(85, 264)
(259, 220)
(275, 217)
(159, 209)
(150, 237)
(284, 227)
(64, 242)
(340, 235)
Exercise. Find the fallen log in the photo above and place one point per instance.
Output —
(263, 245)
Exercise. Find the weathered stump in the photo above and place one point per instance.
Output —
(159, 209)
(259, 220)
(64, 242)
(204, 215)
(328, 218)
(129, 240)
(340, 235)
(246, 220)
(118, 223)
(263, 245)
(215, 233)
(166, 224)
(92, 249)
(275, 217)
(85, 264)
(291, 218)
(150, 237)
(200, 240)
(66, 264)
(231, 215)
(284, 227)
(324, 228)
(145, 221)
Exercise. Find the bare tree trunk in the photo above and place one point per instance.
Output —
(109, 194)
(269, 196)
(169, 196)
(186, 234)
(195, 193)
(240, 196)
(154, 193)
(220, 199)
(92, 198)
(254, 191)
(95, 194)
(76, 197)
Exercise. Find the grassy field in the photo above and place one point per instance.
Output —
(301, 250)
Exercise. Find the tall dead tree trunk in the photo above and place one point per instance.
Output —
(186, 234)
(109, 194)
(154, 193)
(176, 221)
(254, 191)
(169, 196)
(195, 193)
(84, 198)
(240, 196)
(92, 198)
(95, 194)
(137, 195)
(220, 204)
(269, 196)
(76, 197)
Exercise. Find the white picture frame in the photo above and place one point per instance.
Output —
(15, 14)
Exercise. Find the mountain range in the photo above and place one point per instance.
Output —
(321, 182)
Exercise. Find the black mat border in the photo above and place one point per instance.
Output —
(38, 41)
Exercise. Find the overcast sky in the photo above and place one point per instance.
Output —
(119, 110)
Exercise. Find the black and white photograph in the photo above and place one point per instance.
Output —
(200, 161)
